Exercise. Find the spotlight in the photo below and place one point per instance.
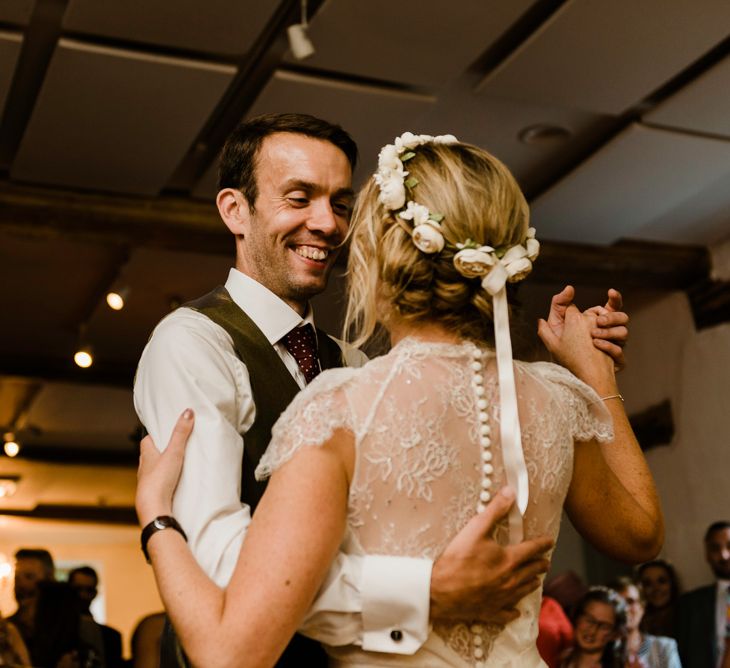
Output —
(544, 134)
(84, 357)
(11, 447)
(116, 299)
(299, 42)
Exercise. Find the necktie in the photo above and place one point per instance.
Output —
(301, 342)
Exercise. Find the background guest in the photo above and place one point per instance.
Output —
(32, 566)
(703, 613)
(600, 617)
(555, 635)
(660, 585)
(642, 650)
(146, 641)
(84, 581)
(61, 640)
(13, 651)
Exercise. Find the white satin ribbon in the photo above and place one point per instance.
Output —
(509, 428)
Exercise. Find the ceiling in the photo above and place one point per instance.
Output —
(614, 117)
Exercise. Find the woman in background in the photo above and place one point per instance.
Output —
(598, 623)
(660, 585)
(643, 650)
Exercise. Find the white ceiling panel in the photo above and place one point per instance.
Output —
(410, 41)
(373, 116)
(10, 44)
(116, 120)
(702, 106)
(607, 57)
(213, 26)
(640, 177)
(702, 218)
(496, 124)
(16, 11)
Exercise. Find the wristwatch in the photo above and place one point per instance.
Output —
(158, 524)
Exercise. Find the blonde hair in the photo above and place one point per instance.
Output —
(389, 278)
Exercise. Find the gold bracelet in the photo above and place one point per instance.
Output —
(613, 396)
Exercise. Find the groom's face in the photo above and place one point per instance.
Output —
(300, 216)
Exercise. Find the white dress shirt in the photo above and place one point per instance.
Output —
(378, 602)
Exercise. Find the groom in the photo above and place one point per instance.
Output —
(238, 355)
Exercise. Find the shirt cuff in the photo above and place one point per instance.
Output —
(395, 603)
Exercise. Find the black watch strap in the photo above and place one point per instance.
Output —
(158, 524)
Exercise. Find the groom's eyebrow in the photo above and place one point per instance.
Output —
(308, 186)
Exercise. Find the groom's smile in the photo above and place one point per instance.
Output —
(300, 217)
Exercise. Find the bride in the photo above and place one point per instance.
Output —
(395, 457)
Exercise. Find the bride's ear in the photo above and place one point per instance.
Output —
(234, 211)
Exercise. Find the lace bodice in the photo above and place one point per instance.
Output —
(414, 416)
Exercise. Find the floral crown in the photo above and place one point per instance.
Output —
(496, 265)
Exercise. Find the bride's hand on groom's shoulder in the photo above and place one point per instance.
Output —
(159, 472)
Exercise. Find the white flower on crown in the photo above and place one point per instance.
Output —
(418, 213)
(473, 262)
(427, 237)
(391, 174)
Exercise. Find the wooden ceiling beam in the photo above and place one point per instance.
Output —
(177, 223)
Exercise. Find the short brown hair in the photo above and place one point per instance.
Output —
(237, 168)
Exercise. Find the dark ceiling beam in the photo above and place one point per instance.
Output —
(122, 515)
(63, 369)
(172, 223)
(626, 264)
(177, 223)
(255, 69)
(69, 454)
(39, 44)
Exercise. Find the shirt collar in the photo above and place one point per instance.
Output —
(271, 314)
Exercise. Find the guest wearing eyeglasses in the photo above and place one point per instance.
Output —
(598, 621)
(643, 650)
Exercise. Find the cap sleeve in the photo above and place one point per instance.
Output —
(311, 419)
(587, 416)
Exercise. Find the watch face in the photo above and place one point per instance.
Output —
(159, 524)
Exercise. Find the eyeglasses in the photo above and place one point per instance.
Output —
(592, 622)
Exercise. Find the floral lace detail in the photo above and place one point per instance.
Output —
(310, 419)
(414, 418)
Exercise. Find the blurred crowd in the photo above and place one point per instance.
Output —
(53, 626)
(644, 621)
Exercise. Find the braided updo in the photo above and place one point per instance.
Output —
(389, 278)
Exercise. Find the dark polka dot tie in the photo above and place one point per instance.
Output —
(301, 342)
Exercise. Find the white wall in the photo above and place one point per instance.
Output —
(668, 358)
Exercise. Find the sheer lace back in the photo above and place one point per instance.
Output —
(418, 469)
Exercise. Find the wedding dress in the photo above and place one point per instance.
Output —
(414, 414)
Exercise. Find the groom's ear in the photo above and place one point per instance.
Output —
(234, 210)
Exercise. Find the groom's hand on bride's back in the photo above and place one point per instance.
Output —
(475, 578)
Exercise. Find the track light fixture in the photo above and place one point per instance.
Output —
(83, 356)
(116, 299)
(299, 42)
(11, 446)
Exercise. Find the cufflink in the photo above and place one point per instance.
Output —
(396, 635)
